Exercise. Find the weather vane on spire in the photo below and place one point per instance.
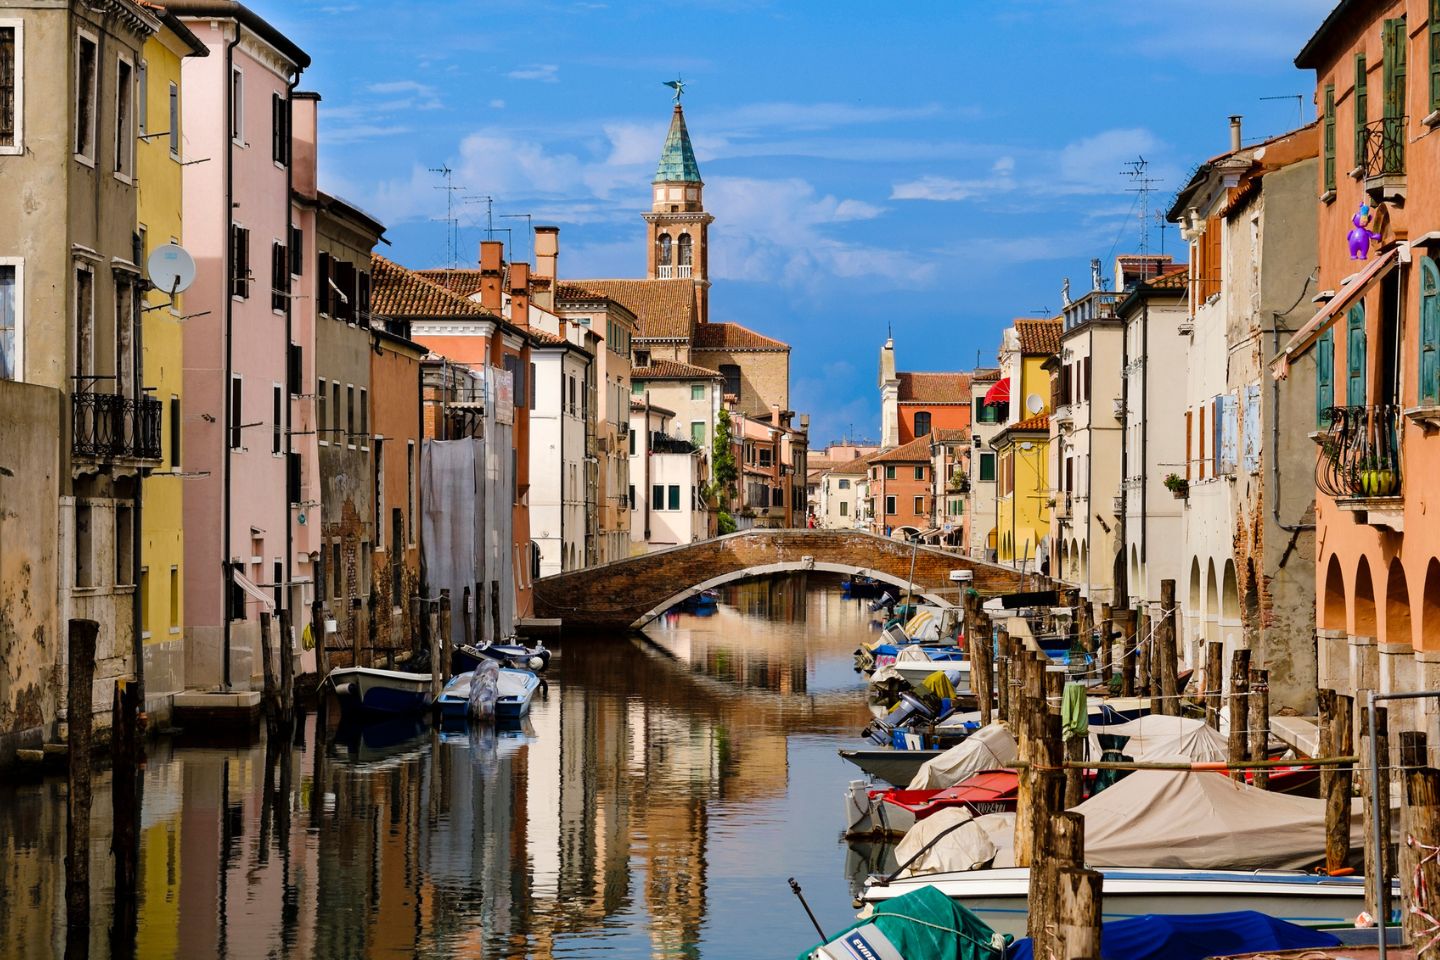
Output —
(677, 85)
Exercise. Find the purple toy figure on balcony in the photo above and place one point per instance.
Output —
(1362, 236)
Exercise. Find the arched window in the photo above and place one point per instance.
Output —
(922, 424)
(663, 255)
(684, 243)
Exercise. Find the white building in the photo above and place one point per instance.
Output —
(561, 420)
(986, 421)
(842, 493)
(668, 474)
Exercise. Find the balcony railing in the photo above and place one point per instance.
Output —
(1360, 453)
(1385, 148)
(663, 443)
(109, 426)
(674, 271)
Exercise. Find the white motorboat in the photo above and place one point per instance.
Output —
(372, 690)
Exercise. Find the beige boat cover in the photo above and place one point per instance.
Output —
(967, 847)
(1161, 736)
(1163, 818)
(988, 748)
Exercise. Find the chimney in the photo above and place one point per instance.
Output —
(547, 265)
(1234, 132)
(492, 270)
(520, 294)
(775, 414)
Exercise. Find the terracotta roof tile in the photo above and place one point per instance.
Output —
(912, 452)
(546, 338)
(1031, 424)
(732, 336)
(985, 375)
(857, 466)
(664, 309)
(1039, 336)
(465, 282)
(934, 387)
(396, 291)
(951, 435)
(673, 370)
(1176, 278)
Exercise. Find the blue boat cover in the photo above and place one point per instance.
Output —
(1195, 936)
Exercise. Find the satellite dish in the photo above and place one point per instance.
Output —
(170, 268)
(1034, 404)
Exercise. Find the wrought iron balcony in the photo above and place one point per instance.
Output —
(1360, 453)
(109, 426)
(663, 443)
(1384, 151)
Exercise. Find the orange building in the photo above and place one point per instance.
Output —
(395, 417)
(915, 405)
(1375, 347)
(901, 494)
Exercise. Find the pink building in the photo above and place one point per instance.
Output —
(237, 432)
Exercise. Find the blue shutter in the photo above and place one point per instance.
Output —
(1429, 332)
(1355, 356)
(1324, 376)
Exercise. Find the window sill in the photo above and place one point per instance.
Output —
(13, 150)
(144, 634)
(83, 160)
(1432, 119)
(1358, 173)
(1327, 197)
(124, 178)
(174, 631)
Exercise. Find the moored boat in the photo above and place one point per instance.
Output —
(376, 691)
(465, 658)
(515, 688)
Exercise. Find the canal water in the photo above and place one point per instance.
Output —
(652, 806)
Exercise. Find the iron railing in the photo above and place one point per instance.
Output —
(663, 443)
(111, 426)
(1360, 453)
(1385, 147)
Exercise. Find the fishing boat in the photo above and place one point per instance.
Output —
(892, 811)
(889, 764)
(375, 691)
(516, 689)
(999, 896)
(465, 658)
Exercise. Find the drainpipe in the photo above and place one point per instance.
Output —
(284, 644)
(227, 573)
(137, 366)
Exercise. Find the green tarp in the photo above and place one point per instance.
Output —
(927, 925)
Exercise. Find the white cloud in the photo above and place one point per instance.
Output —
(543, 72)
(497, 104)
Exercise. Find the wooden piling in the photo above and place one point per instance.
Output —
(1167, 652)
(1412, 756)
(1059, 843)
(1259, 723)
(1422, 801)
(1042, 783)
(286, 646)
(1003, 665)
(81, 642)
(270, 696)
(1239, 710)
(1127, 652)
(1375, 791)
(125, 813)
(1085, 625)
(1337, 798)
(1214, 682)
(1325, 747)
(317, 629)
(977, 639)
(437, 672)
(445, 638)
(1144, 666)
(1078, 927)
(465, 620)
(1074, 776)
(1103, 649)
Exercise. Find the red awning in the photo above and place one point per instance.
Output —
(1000, 393)
(1328, 314)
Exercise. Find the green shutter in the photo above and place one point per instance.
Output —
(1434, 55)
(1395, 39)
(1324, 376)
(1355, 356)
(1330, 137)
(1362, 111)
(1429, 333)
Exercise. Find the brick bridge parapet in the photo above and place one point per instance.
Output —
(629, 593)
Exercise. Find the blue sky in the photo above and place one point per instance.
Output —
(939, 168)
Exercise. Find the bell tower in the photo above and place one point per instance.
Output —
(677, 226)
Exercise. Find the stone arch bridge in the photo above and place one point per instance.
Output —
(627, 594)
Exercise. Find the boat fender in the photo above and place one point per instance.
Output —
(864, 942)
(348, 689)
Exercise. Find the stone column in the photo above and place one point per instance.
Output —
(1427, 719)
(1364, 675)
(1333, 654)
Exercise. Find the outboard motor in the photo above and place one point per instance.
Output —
(865, 942)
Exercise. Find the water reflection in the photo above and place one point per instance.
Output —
(650, 807)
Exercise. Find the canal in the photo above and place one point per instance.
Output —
(652, 806)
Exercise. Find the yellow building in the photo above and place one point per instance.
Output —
(158, 158)
(1023, 491)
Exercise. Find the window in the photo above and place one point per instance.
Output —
(697, 433)
(85, 98)
(987, 412)
(321, 412)
(237, 107)
(364, 418)
(890, 506)
(84, 544)
(277, 578)
(731, 373)
(697, 391)
(674, 497)
(174, 121)
(410, 504)
(1395, 41)
(1250, 423)
(124, 335)
(957, 507)
(777, 497)
(1324, 377)
(350, 414)
(637, 387)
(631, 498)
(844, 484)
(844, 509)
(335, 426)
(279, 277)
(632, 443)
(919, 506)
(145, 601)
(657, 497)
(1434, 55)
(12, 340)
(337, 573)
(236, 396)
(890, 472)
(124, 544)
(922, 424)
(919, 473)
(683, 246)
(1329, 183)
(1362, 112)
(176, 430)
(84, 324)
(1429, 329)
(322, 283)
(12, 85)
(124, 117)
(174, 599)
(142, 107)
(239, 262)
(297, 252)
(662, 254)
(277, 430)
(642, 358)
(279, 129)
(397, 562)
(987, 467)
(765, 458)
(1355, 355)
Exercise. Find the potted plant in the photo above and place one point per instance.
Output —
(1178, 486)
(960, 482)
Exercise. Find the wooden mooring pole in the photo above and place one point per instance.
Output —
(1167, 652)
(977, 638)
(287, 670)
(271, 697)
(1422, 802)
(443, 668)
(1126, 619)
(432, 622)
(1337, 798)
(81, 693)
(1239, 708)
(1214, 682)
(1259, 723)
(125, 813)
(1413, 756)
(1004, 667)
(1104, 648)
(1375, 791)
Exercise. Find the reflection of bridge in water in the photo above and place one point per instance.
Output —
(595, 833)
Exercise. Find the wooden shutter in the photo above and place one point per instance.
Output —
(322, 283)
(1434, 55)
(1429, 331)
(1329, 167)
(1189, 441)
(1324, 376)
(1362, 110)
(1355, 356)
(1396, 39)
(1253, 425)
(1200, 456)
(1229, 427)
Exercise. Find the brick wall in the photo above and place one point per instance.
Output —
(764, 377)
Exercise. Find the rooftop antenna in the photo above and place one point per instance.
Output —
(1163, 224)
(489, 202)
(1299, 99)
(452, 229)
(1143, 185)
(529, 227)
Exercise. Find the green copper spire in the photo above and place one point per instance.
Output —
(677, 159)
